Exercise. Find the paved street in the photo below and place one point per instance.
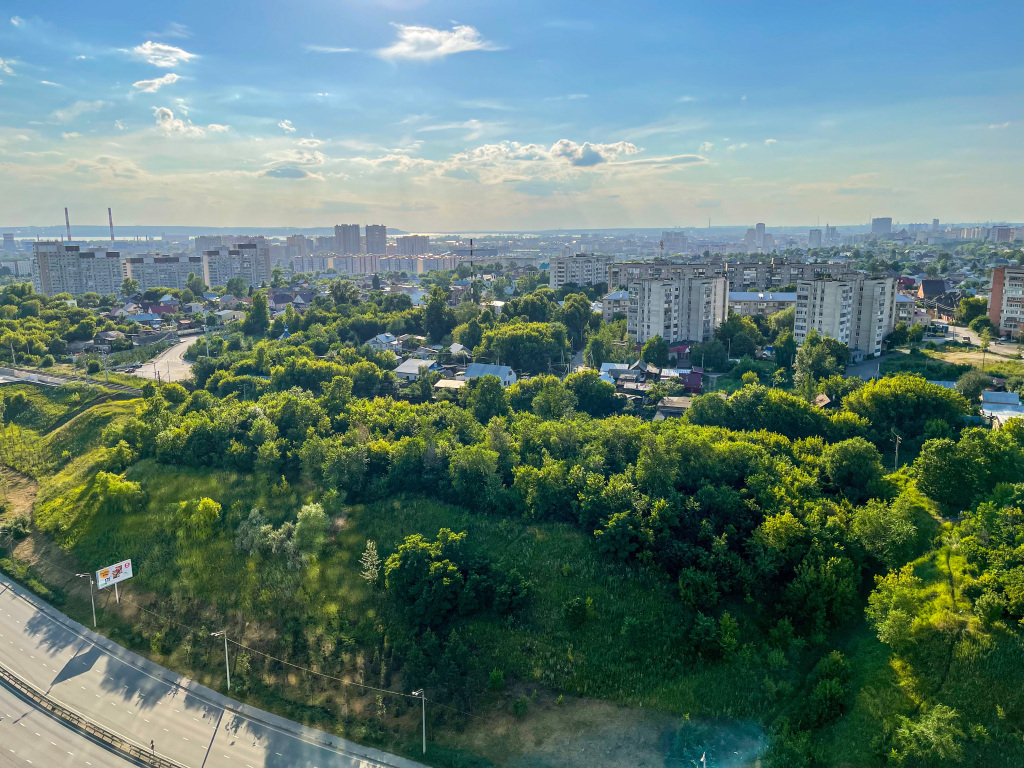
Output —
(127, 694)
(170, 364)
(29, 737)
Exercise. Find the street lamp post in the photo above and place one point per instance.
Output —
(422, 695)
(92, 599)
(227, 663)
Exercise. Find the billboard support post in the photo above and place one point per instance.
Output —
(117, 595)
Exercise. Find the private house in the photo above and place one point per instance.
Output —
(414, 367)
(503, 372)
(385, 342)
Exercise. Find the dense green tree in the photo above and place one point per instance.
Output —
(655, 351)
(257, 320)
(487, 399)
(593, 396)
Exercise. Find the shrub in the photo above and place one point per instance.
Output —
(46, 362)
(93, 366)
(496, 680)
(520, 706)
(574, 612)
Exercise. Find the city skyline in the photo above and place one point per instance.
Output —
(454, 117)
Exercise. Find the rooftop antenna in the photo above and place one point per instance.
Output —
(110, 218)
(67, 223)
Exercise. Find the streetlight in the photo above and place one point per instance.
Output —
(91, 598)
(422, 696)
(227, 664)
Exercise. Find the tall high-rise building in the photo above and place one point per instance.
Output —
(208, 243)
(1006, 301)
(9, 245)
(63, 268)
(935, 225)
(831, 234)
(856, 310)
(679, 308)
(674, 242)
(376, 239)
(881, 227)
(579, 269)
(346, 239)
(413, 245)
(759, 235)
(814, 238)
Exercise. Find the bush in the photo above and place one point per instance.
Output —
(174, 393)
(46, 362)
(18, 527)
(574, 612)
(496, 680)
(93, 366)
(520, 706)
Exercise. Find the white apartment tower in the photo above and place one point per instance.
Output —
(857, 310)
(250, 261)
(677, 308)
(579, 269)
(62, 268)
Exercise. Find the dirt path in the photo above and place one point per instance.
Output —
(19, 491)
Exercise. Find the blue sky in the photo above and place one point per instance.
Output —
(479, 115)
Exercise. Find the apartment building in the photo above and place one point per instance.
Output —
(412, 245)
(347, 240)
(361, 264)
(621, 273)
(858, 311)
(769, 275)
(63, 268)
(763, 303)
(578, 269)
(158, 271)
(377, 239)
(677, 308)
(250, 261)
(312, 263)
(1006, 301)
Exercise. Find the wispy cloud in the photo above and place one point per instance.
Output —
(218, 128)
(50, 82)
(286, 126)
(328, 49)
(475, 128)
(76, 110)
(769, 142)
(416, 43)
(587, 154)
(706, 146)
(69, 136)
(999, 125)
(162, 54)
(152, 86)
(17, 21)
(173, 29)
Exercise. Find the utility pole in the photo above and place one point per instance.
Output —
(227, 663)
(896, 439)
(91, 598)
(421, 694)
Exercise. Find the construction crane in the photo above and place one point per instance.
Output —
(67, 223)
(110, 218)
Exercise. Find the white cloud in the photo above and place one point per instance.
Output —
(119, 124)
(68, 136)
(49, 82)
(310, 142)
(162, 54)
(5, 66)
(17, 21)
(170, 125)
(577, 96)
(426, 43)
(999, 125)
(286, 126)
(77, 109)
(218, 128)
(587, 154)
(769, 142)
(152, 86)
(174, 29)
(328, 49)
(475, 128)
(706, 146)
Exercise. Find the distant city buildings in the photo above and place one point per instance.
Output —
(377, 239)
(762, 303)
(814, 238)
(250, 261)
(63, 268)
(1006, 301)
(881, 227)
(578, 269)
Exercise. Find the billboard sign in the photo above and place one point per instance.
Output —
(112, 574)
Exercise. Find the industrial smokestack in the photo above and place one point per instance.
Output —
(110, 217)
(67, 223)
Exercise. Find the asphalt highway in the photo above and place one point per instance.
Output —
(148, 704)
